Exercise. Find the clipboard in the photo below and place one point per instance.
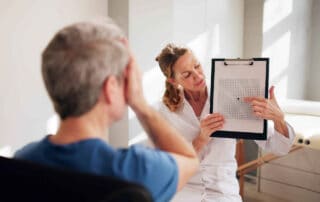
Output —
(231, 80)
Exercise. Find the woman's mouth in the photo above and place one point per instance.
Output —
(200, 82)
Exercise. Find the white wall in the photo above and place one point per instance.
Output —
(252, 37)
(286, 40)
(211, 28)
(25, 29)
(313, 92)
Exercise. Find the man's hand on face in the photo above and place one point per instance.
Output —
(133, 82)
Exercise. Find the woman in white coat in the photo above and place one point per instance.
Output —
(185, 104)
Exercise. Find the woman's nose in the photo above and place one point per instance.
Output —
(197, 75)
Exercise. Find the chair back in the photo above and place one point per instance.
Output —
(27, 181)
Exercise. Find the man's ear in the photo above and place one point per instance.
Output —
(109, 88)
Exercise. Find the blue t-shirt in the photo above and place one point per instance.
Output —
(153, 169)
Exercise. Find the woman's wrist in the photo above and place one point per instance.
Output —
(281, 126)
(278, 118)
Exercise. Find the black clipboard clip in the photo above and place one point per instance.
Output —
(226, 61)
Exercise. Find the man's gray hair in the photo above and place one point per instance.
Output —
(78, 60)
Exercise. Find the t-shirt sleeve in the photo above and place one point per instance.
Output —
(27, 152)
(154, 169)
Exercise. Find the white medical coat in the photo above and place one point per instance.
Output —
(216, 177)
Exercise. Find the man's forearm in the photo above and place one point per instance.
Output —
(163, 135)
(198, 144)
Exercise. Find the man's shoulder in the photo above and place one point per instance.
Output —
(35, 149)
(29, 149)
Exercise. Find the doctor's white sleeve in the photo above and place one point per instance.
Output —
(276, 143)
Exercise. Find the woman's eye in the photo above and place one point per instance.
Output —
(197, 66)
(186, 75)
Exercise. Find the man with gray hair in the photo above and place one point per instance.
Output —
(91, 76)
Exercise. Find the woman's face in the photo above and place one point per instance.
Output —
(188, 73)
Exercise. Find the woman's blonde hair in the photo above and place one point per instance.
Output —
(168, 56)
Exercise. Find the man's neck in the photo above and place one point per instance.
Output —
(79, 128)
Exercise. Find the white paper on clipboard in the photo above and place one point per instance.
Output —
(232, 82)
